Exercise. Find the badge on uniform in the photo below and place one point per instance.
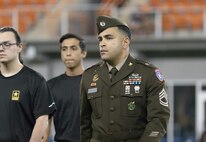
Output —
(95, 77)
(92, 90)
(159, 75)
(127, 89)
(136, 88)
(134, 78)
(93, 84)
(131, 105)
(134, 75)
(15, 95)
(130, 64)
(154, 134)
(163, 98)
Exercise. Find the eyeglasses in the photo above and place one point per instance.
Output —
(6, 45)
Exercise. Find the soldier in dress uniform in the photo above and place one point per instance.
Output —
(122, 99)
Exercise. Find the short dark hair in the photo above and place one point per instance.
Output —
(16, 35)
(70, 35)
(10, 29)
(126, 30)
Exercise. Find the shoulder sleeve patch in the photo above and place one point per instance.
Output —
(159, 75)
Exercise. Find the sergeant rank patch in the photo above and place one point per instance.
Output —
(163, 98)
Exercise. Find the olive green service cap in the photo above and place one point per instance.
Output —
(105, 22)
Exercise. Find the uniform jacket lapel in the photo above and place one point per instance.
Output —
(104, 73)
(127, 68)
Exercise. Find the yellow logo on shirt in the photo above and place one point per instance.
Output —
(15, 95)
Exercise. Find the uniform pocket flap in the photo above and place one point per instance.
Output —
(131, 95)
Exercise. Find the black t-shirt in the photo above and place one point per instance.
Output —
(23, 98)
(66, 93)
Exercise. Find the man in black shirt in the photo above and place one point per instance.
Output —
(65, 89)
(25, 101)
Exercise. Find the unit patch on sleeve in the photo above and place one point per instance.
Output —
(159, 75)
(163, 98)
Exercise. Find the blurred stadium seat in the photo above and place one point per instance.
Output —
(26, 20)
(104, 9)
(168, 21)
(180, 14)
(177, 15)
(24, 12)
(5, 19)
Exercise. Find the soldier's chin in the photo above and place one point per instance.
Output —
(107, 60)
(104, 58)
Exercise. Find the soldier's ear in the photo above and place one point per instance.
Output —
(126, 42)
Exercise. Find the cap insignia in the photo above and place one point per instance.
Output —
(102, 23)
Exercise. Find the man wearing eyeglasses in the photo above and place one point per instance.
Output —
(25, 101)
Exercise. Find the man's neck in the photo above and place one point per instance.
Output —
(11, 68)
(118, 64)
(74, 71)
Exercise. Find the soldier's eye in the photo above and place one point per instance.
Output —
(74, 47)
(100, 39)
(63, 49)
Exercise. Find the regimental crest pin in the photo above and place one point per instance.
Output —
(95, 77)
(130, 64)
(93, 84)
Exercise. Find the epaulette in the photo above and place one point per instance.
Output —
(94, 66)
(157, 72)
(145, 63)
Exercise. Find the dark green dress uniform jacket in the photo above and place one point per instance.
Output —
(133, 107)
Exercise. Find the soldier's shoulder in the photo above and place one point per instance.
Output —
(93, 67)
(145, 63)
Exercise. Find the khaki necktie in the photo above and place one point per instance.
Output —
(113, 72)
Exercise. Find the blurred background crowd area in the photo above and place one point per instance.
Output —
(168, 33)
(145, 17)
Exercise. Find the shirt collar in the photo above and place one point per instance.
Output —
(118, 67)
